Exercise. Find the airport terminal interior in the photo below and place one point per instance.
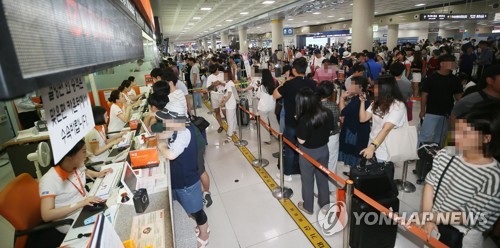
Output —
(257, 123)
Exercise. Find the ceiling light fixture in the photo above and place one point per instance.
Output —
(330, 16)
(306, 21)
(218, 25)
(244, 13)
(196, 18)
(268, 2)
(352, 4)
(290, 19)
(341, 18)
(420, 4)
(229, 20)
(316, 13)
(206, 8)
(190, 24)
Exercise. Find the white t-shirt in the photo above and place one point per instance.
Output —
(396, 116)
(132, 92)
(180, 143)
(127, 98)
(177, 102)
(115, 123)
(316, 62)
(95, 136)
(182, 86)
(266, 101)
(231, 103)
(65, 188)
(213, 78)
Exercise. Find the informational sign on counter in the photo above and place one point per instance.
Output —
(68, 113)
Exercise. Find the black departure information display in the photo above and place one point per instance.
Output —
(47, 42)
(453, 17)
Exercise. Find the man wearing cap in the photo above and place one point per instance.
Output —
(178, 143)
(439, 92)
(490, 85)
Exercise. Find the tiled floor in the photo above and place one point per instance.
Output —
(244, 212)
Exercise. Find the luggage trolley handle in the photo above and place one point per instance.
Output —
(362, 164)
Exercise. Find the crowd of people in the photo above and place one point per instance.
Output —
(298, 94)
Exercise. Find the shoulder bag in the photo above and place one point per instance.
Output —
(401, 143)
(449, 235)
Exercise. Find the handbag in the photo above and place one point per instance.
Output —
(200, 122)
(401, 143)
(449, 235)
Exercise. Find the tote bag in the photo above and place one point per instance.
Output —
(401, 143)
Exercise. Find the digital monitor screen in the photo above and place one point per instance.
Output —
(129, 179)
(47, 42)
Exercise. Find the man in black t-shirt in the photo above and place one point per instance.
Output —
(288, 91)
(439, 92)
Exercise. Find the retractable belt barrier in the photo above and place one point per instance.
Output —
(412, 228)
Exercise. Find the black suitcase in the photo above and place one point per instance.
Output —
(426, 153)
(365, 233)
(244, 116)
(376, 180)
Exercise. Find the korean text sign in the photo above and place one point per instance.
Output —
(68, 113)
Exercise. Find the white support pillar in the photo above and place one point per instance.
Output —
(205, 44)
(362, 21)
(224, 39)
(95, 92)
(392, 36)
(214, 43)
(277, 36)
(243, 39)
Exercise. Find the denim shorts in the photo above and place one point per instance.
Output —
(190, 198)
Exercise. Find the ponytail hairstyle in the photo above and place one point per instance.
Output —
(115, 95)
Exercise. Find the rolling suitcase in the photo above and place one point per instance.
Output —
(376, 180)
(244, 117)
(426, 153)
(370, 231)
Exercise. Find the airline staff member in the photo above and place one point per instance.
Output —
(26, 110)
(131, 93)
(96, 142)
(125, 88)
(119, 112)
(62, 188)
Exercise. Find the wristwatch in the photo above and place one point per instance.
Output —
(374, 145)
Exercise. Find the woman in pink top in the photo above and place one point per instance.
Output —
(326, 72)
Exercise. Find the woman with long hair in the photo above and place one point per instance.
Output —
(267, 104)
(314, 125)
(387, 112)
(229, 101)
(416, 72)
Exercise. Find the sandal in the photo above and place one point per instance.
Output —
(197, 231)
(301, 207)
(203, 243)
(228, 139)
(267, 142)
(220, 130)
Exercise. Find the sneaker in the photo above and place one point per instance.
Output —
(267, 143)
(276, 154)
(207, 199)
(288, 178)
(220, 130)
(301, 207)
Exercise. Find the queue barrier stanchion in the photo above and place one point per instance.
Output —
(259, 162)
(349, 190)
(194, 103)
(210, 112)
(241, 141)
(402, 184)
(282, 192)
(412, 228)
